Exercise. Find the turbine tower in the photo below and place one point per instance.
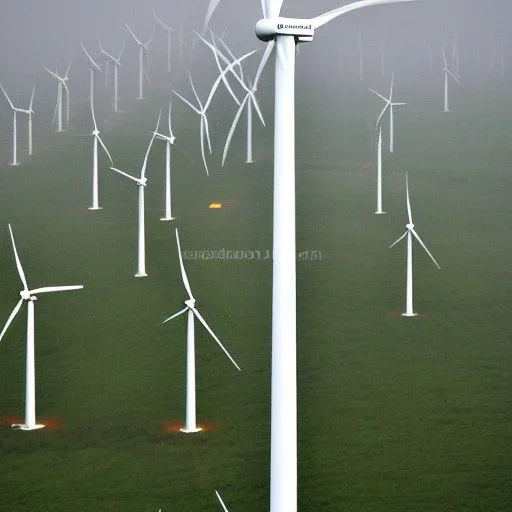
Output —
(410, 233)
(379, 210)
(141, 182)
(169, 141)
(191, 310)
(97, 139)
(143, 49)
(283, 34)
(389, 105)
(168, 30)
(15, 110)
(29, 296)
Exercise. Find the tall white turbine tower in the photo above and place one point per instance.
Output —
(141, 182)
(30, 296)
(410, 233)
(97, 139)
(190, 309)
(379, 210)
(389, 105)
(29, 112)
(93, 67)
(143, 49)
(284, 33)
(169, 141)
(117, 64)
(168, 30)
(447, 74)
(61, 87)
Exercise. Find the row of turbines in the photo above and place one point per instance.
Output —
(282, 35)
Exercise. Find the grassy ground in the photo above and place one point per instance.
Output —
(394, 414)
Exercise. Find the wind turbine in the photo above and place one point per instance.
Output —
(97, 139)
(249, 100)
(143, 47)
(15, 110)
(141, 182)
(168, 30)
(190, 309)
(379, 174)
(93, 66)
(283, 33)
(169, 141)
(410, 233)
(447, 73)
(201, 109)
(389, 105)
(117, 64)
(29, 296)
(61, 84)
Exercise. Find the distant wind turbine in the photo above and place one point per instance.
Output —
(168, 30)
(93, 67)
(447, 73)
(143, 49)
(117, 64)
(61, 86)
(410, 233)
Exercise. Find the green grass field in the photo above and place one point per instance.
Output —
(394, 414)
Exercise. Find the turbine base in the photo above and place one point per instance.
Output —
(14, 164)
(409, 314)
(22, 426)
(167, 218)
(95, 208)
(141, 274)
(380, 213)
(186, 430)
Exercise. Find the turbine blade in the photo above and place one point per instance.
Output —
(145, 163)
(8, 99)
(209, 13)
(444, 55)
(171, 135)
(399, 239)
(11, 318)
(127, 175)
(273, 8)
(409, 214)
(68, 68)
(257, 108)
(379, 95)
(195, 92)
(51, 289)
(52, 73)
(207, 327)
(425, 247)
(187, 102)
(92, 111)
(18, 262)
(182, 268)
(229, 52)
(453, 76)
(382, 113)
(391, 88)
(232, 130)
(90, 58)
(134, 36)
(201, 136)
(175, 315)
(221, 502)
(106, 150)
(32, 99)
(263, 63)
(207, 132)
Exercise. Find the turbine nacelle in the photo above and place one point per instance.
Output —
(268, 29)
(25, 295)
(142, 182)
(410, 226)
(190, 303)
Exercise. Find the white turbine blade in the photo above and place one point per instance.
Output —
(121, 53)
(399, 239)
(232, 130)
(453, 76)
(5, 94)
(99, 43)
(11, 318)
(125, 174)
(182, 268)
(229, 52)
(106, 150)
(382, 113)
(273, 8)
(263, 63)
(187, 102)
(90, 58)
(398, 104)
(195, 92)
(207, 131)
(161, 23)
(209, 13)
(322, 19)
(379, 95)
(147, 76)
(92, 112)
(219, 78)
(221, 502)
(175, 315)
(409, 214)
(18, 262)
(51, 289)
(134, 36)
(391, 87)
(201, 137)
(146, 156)
(32, 99)
(171, 135)
(264, 8)
(257, 108)
(425, 247)
(148, 42)
(52, 73)
(444, 56)
(207, 327)
(68, 68)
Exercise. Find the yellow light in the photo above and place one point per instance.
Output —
(215, 205)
